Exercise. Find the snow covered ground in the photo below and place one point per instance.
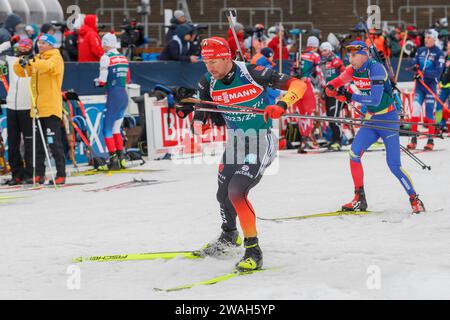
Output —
(388, 255)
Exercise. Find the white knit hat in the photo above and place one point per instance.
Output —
(326, 46)
(432, 33)
(312, 42)
(109, 40)
(178, 14)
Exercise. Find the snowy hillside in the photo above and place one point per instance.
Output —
(319, 258)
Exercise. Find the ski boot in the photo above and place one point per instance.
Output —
(37, 180)
(99, 164)
(217, 248)
(412, 144)
(416, 204)
(335, 146)
(114, 163)
(122, 159)
(358, 203)
(252, 259)
(13, 182)
(58, 181)
(430, 145)
(301, 149)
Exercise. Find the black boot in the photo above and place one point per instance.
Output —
(358, 203)
(252, 259)
(430, 145)
(122, 159)
(114, 163)
(14, 182)
(219, 247)
(413, 144)
(301, 147)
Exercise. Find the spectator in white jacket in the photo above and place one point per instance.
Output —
(19, 120)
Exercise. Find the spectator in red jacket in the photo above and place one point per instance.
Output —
(239, 28)
(89, 43)
(274, 44)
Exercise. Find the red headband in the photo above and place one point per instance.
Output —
(215, 48)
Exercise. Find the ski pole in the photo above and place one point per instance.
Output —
(408, 153)
(401, 55)
(44, 143)
(415, 158)
(429, 90)
(358, 122)
(317, 118)
(387, 121)
(229, 14)
(255, 110)
(34, 150)
(86, 142)
(280, 48)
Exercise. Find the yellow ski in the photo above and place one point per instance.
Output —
(235, 273)
(319, 215)
(110, 172)
(142, 256)
(3, 198)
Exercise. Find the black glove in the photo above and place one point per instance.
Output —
(297, 73)
(344, 93)
(184, 109)
(25, 60)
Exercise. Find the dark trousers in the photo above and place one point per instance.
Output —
(334, 110)
(51, 127)
(238, 175)
(20, 125)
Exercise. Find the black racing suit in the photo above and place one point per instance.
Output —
(246, 156)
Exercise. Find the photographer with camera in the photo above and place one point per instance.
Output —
(180, 47)
(47, 72)
(132, 38)
(18, 117)
(89, 44)
(257, 39)
(178, 19)
(8, 36)
(412, 42)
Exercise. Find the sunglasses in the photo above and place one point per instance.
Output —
(357, 47)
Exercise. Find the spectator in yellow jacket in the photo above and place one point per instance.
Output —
(47, 72)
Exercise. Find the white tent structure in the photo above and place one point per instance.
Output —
(5, 9)
(54, 11)
(20, 7)
(38, 12)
